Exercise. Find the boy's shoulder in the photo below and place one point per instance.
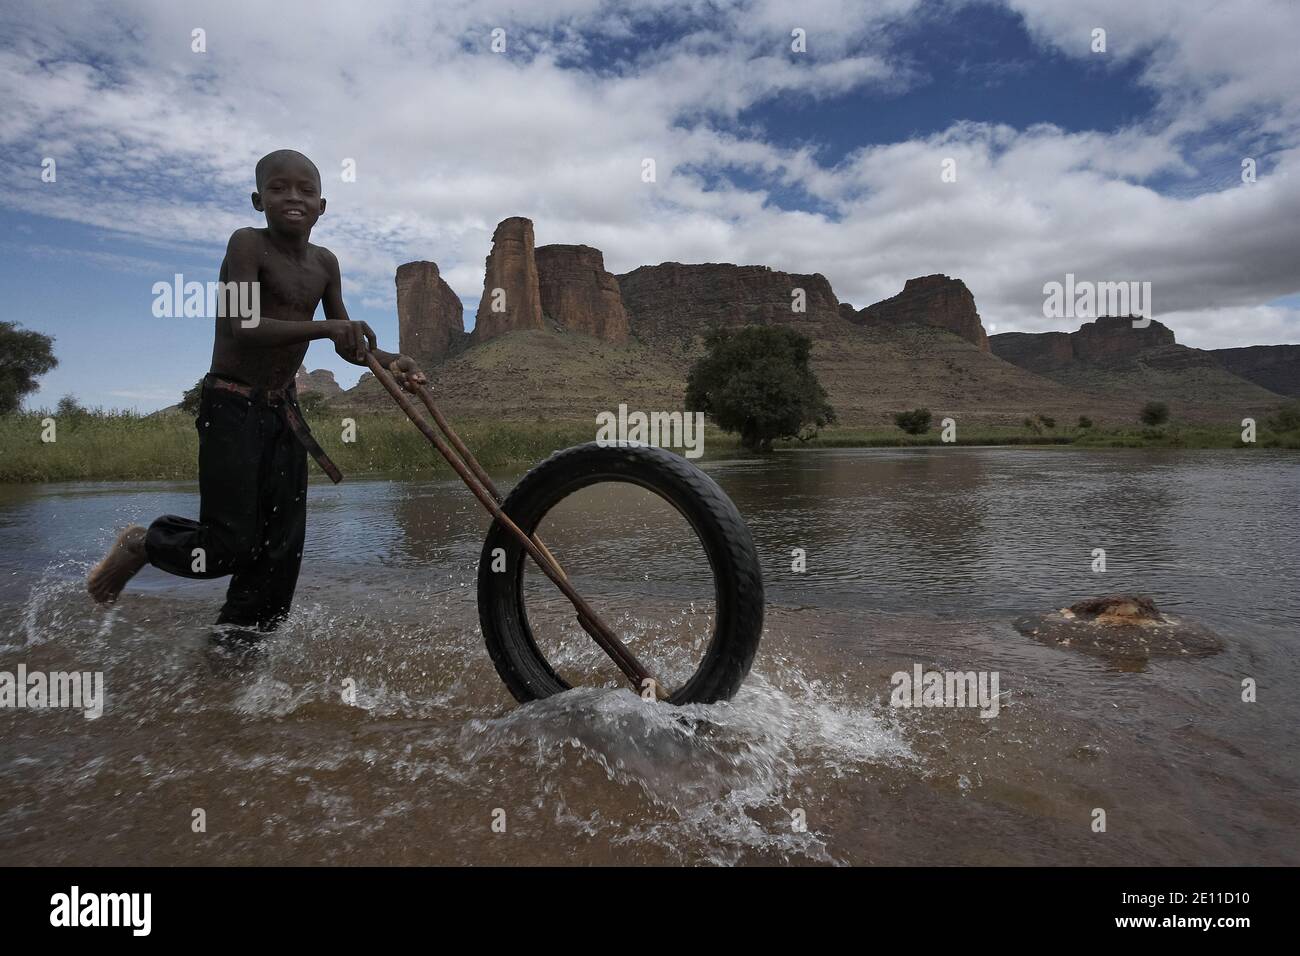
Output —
(246, 237)
(250, 238)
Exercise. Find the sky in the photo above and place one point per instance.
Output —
(1122, 164)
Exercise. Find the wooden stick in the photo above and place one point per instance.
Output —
(591, 627)
(486, 493)
(469, 459)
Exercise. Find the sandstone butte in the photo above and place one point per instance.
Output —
(566, 288)
(578, 295)
(321, 380)
(430, 316)
(1108, 340)
(931, 300)
(673, 302)
(511, 292)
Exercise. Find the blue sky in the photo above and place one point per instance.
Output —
(1116, 165)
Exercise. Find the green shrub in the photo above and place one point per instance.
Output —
(1154, 413)
(915, 422)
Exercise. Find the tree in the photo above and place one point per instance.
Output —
(69, 407)
(756, 381)
(915, 422)
(311, 402)
(191, 398)
(1085, 421)
(1154, 413)
(24, 355)
(1047, 421)
(1287, 418)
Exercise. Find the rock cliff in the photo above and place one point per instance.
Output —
(933, 300)
(577, 293)
(511, 297)
(430, 317)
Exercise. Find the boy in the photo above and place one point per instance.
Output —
(253, 443)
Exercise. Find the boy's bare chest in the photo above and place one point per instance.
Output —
(295, 285)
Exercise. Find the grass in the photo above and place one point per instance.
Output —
(120, 446)
(112, 446)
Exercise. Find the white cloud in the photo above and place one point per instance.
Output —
(157, 143)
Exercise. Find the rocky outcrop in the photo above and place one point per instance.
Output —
(577, 293)
(1113, 339)
(674, 302)
(1036, 351)
(430, 317)
(321, 380)
(511, 297)
(1274, 367)
(933, 300)
(848, 313)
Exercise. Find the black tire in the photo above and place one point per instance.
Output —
(722, 533)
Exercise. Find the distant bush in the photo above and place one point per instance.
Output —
(1085, 421)
(1154, 413)
(69, 407)
(1287, 418)
(1047, 421)
(190, 399)
(1033, 425)
(311, 402)
(915, 422)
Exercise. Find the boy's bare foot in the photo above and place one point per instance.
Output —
(124, 559)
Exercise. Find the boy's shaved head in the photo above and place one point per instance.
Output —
(280, 157)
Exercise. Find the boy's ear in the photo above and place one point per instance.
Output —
(322, 206)
(257, 201)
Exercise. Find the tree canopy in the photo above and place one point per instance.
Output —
(24, 355)
(756, 381)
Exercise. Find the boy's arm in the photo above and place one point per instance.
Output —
(407, 372)
(242, 254)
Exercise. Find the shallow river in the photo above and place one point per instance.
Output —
(372, 727)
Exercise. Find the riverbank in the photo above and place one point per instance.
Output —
(120, 446)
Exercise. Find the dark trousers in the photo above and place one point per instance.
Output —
(252, 510)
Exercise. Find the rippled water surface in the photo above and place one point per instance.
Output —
(373, 729)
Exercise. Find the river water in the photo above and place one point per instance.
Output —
(372, 727)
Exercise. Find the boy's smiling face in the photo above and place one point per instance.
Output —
(288, 191)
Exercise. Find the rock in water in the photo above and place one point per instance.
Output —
(430, 317)
(578, 294)
(931, 300)
(510, 283)
(1120, 627)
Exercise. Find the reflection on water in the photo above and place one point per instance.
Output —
(374, 729)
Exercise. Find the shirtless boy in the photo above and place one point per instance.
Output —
(253, 443)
